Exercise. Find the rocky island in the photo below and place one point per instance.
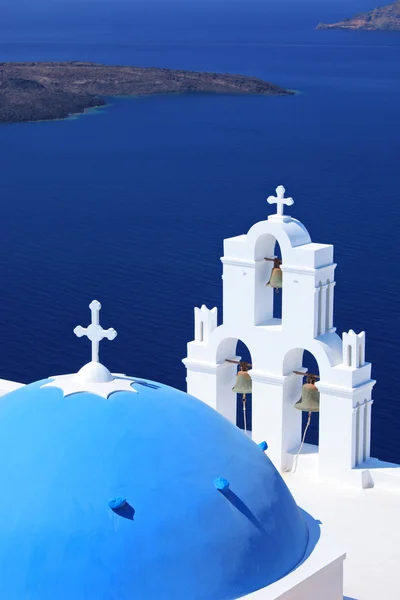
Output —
(34, 91)
(381, 18)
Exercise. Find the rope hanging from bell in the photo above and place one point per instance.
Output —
(309, 403)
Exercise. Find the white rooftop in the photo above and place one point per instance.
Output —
(363, 521)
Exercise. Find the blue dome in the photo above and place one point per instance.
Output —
(117, 499)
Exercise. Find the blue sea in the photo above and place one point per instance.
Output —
(130, 204)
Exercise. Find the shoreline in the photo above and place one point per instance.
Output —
(43, 91)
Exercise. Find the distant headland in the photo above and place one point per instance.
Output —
(36, 91)
(385, 18)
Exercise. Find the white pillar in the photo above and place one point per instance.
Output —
(299, 298)
(213, 385)
(322, 308)
(274, 418)
(330, 301)
(339, 444)
(360, 433)
(337, 430)
(316, 311)
(367, 428)
(244, 288)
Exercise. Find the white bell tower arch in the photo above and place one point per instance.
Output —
(277, 346)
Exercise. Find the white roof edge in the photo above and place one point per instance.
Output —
(7, 386)
(322, 559)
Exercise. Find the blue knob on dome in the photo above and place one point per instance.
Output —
(263, 446)
(221, 484)
(116, 503)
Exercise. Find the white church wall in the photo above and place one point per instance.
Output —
(319, 577)
(215, 382)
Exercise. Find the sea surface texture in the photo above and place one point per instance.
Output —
(130, 204)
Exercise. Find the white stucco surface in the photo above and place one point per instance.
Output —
(7, 386)
(318, 577)
(366, 522)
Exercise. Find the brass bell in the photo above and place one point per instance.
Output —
(275, 280)
(309, 401)
(243, 383)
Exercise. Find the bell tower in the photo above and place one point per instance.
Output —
(277, 346)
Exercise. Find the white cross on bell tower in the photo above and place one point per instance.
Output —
(94, 331)
(280, 200)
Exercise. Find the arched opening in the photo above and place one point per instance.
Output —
(312, 435)
(303, 361)
(278, 293)
(268, 299)
(244, 406)
(232, 404)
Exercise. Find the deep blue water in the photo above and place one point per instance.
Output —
(130, 204)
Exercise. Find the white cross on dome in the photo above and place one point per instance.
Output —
(93, 377)
(94, 331)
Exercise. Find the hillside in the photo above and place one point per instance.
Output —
(381, 18)
(41, 91)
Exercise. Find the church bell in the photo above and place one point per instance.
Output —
(275, 280)
(309, 401)
(243, 386)
(243, 383)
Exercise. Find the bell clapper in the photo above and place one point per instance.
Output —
(275, 280)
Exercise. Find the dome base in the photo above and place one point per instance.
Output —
(94, 372)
